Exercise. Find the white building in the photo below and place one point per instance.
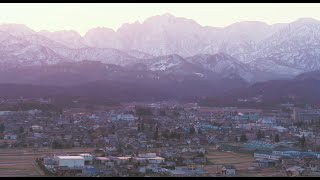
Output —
(147, 155)
(286, 153)
(5, 113)
(260, 156)
(142, 169)
(156, 160)
(280, 128)
(228, 170)
(152, 158)
(10, 136)
(124, 117)
(121, 160)
(36, 128)
(34, 111)
(295, 170)
(88, 158)
(70, 161)
(110, 149)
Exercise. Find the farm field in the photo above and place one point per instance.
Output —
(21, 162)
(241, 161)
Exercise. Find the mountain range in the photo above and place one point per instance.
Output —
(162, 52)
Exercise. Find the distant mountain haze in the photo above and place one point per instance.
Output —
(162, 52)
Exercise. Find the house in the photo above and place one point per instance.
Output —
(2, 113)
(228, 170)
(259, 164)
(295, 170)
(34, 111)
(103, 161)
(266, 156)
(140, 160)
(110, 149)
(121, 160)
(156, 169)
(49, 161)
(241, 117)
(181, 172)
(268, 121)
(287, 153)
(151, 158)
(88, 158)
(188, 162)
(10, 137)
(147, 155)
(280, 129)
(289, 162)
(156, 160)
(142, 169)
(36, 128)
(170, 165)
(169, 154)
(313, 165)
(305, 115)
(194, 150)
(200, 160)
(89, 171)
(123, 117)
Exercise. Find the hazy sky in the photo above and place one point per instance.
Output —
(84, 16)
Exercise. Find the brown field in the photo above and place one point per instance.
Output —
(241, 161)
(21, 162)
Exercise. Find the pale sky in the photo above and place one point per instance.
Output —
(84, 16)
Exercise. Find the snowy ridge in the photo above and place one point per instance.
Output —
(175, 45)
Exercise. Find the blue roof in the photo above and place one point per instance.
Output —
(258, 145)
(90, 170)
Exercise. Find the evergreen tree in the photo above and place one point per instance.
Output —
(303, 141)
(156, 134)
(162, 112)
(276, 138)
(173, 134)
(192, 130)
(56, 145)
(21, 130)
(119, 149)
(236, 139)
(143, 112)
(113, 129)
(2, 128)
(259, 135)
(243, 138)
(165, 134)
(139, 127)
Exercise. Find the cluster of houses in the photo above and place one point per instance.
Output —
(293, 162)
(135, 165)
(174, 130)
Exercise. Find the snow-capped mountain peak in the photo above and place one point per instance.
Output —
(70, 38)
(16, 29)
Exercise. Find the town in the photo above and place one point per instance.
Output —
(162, 139)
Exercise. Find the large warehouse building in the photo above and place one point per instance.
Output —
(70, 161)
